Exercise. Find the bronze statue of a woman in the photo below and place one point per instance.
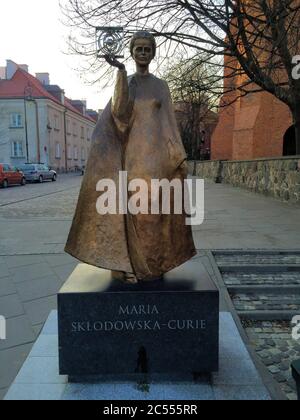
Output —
(137, 133)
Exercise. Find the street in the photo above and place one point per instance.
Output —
(36, 218)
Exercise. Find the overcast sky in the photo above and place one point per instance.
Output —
(31, 33)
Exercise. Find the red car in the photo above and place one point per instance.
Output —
(10, 176)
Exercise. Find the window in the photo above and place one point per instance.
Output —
(88, 135)
(16, 121)
(56, 122)
(6, 168)
(82, 132)
(57, 151)
(68, 127)
(82, 153)
(75, 129)
(17, 149)
(69, 152)
(27, 168)
(75, 153)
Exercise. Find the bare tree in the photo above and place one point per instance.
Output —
(194, 89)
(259, 38)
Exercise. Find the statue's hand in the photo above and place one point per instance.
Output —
(114, 62)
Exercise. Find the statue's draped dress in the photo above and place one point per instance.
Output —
(137, 133)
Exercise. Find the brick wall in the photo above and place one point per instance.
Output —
(250, 128)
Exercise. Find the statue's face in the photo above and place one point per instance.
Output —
(142, 51)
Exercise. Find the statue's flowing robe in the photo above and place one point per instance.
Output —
(137, 132)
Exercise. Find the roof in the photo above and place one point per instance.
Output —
(16, 88)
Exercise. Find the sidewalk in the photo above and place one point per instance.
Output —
(28, 288)
(238, 219)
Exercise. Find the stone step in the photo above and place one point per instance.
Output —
(267, 315)
(261, 289)
(266, 302)
(241, 278)
(256, 258)
(259, 268)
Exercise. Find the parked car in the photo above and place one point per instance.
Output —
(37, 172)
(9, 175)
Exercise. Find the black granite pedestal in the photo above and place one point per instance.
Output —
(296, 375)
(169, 326)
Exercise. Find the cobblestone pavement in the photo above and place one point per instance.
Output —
(256, 287)
(36, 219)
(277, 350)
(16, 194)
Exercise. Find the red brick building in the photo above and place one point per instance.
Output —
(255, 126)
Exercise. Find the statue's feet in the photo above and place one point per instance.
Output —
(127, 278)
(130, 278)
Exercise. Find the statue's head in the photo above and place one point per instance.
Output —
(143, 47)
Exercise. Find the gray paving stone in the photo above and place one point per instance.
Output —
(236, 372)
(38, 310)
(19, 332)
(4, 270)
(37, 329)
(64, 271)
(38, 288)
(51, 326)
(59, 260)
(241, 393)
(277, 359)
(31, 272)
(292, 397)
(274, 369)
(35, 392)
(263, 354)
(11, 306)
(279, 378)
(184, 392)
(285, 365)
(11, 362)
(15, 261)
(45, 346)
(130, 391)
(292, 384)
(40, 370)
(7, 286)
(3, 393)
